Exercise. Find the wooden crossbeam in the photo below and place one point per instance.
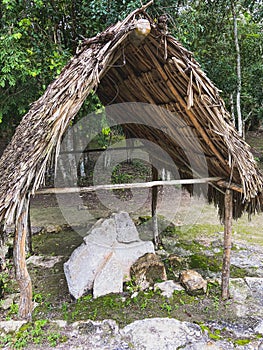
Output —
(150, 184)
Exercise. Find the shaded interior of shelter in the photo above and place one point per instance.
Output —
(142, 74)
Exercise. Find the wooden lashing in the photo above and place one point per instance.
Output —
(22, 275)
(227, 244)
(154, 207)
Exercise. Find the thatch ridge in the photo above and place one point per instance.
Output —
(157, 71)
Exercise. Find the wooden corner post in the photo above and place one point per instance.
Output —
(22, 275)
(154, 207)
(227, 244)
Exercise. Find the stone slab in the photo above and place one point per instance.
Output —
(109, 279)
(116, 236)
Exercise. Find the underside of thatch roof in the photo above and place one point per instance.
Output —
(135, 60)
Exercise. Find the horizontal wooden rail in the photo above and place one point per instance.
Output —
(109, 149)
(61, 190)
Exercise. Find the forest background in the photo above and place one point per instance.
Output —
(38, 37)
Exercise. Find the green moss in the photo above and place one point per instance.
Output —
(215, 334)
(204, 262)
(200, 230)
(242, 341)
(238, 272)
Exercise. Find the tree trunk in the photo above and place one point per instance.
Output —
(22, 275)
(227, 244)
(232, 109)
(239, 81)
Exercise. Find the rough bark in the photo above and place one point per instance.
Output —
(154, 207)
(227, 244)
(22, 275)
(29, 247)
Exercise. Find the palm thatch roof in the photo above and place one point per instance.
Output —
(135, 60)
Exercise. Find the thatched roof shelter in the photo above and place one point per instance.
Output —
(135, 60)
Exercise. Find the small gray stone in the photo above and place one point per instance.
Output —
(36, 230)
(11, 326)
(53, 228)
(168, 287)
(6, 303)
(44, 261)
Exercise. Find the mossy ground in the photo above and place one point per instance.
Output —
(51, 292)
(54, 301)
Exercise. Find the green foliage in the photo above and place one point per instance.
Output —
(206, 28)
(242, 342)
(13, 311)
(215, 334)
(38, 332)
(37, 39)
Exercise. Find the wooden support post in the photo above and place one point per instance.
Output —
(227, 244)
(29, 248)
(154, 207)
(2, 256)
(2, 234)
(22, 275)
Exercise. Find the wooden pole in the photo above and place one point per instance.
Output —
(154, 207)
(22, 275)
(29, 247)
(227, 244)
(2, 234)
(62, 190)
(2, 256)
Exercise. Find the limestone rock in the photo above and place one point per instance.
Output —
(168, 287)
(239, 290)
(193, 282)
(148, 269)
(10, 326)
(259, 327)
(111, 247)
(125, 228)
(256, 287)
(161, 333)
(44, 261)
(7, 302)
(111, 271)
(53, 229)
(36, 230)
(80, 270)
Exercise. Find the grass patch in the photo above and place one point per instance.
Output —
(38, 332)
